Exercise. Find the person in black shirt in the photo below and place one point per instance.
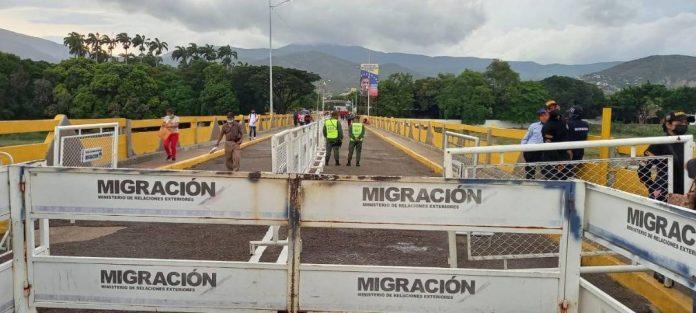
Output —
(577, 130)
(674, 124)
(555, 130)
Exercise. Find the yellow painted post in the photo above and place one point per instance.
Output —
(606, 131)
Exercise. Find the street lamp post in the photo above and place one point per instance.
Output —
(270, 51)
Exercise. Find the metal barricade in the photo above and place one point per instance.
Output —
(294, 150)
(6, 274)
(656, 236)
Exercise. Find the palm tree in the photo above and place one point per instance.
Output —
(110, 44)
(208, 52)
(180, 53)
(125, 43)
(138, 42)
(94, 42)
(192, 50)
(158, 46)
(225, 54)
(75, 43)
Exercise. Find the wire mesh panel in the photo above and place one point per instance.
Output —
(638, 175)
(86, 146)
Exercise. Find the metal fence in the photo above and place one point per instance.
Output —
(637, 175)
(294, 150)
(91, 145)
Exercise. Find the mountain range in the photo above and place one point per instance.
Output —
(341, 64)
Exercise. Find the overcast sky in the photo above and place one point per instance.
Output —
(545, 31)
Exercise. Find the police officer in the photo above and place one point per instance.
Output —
(333, 133)
(577, 130)
(555, 130)
(357, 134)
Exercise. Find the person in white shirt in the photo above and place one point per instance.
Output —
(534, 136)
(171, 123)
(253, 118)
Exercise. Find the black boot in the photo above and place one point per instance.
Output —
(348, 164)
(357, 164)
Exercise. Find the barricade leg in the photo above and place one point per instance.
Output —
(294, 245)
(19, 262)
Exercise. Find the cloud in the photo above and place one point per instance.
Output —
(609, 12)
(386, 24)
(546, 31)
(587, 43)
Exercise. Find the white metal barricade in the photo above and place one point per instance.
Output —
(295, 150)
(88, 145)
(434, 204)
(460, 141)
(147, 284)
(657, 235)
(6, 275)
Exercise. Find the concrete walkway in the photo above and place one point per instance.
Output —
(158, 159)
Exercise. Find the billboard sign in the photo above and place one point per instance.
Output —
(369, 78)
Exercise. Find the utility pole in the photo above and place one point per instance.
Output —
(270, 51)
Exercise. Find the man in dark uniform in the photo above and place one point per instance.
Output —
(577, 130)
(674, 124)
(555, 130)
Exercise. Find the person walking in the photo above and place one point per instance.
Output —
(357, 134)
(253, 118)
(333, 133)
(233, 133)
(170, 133)
(533, 136)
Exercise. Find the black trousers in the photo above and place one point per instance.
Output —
(531, 157)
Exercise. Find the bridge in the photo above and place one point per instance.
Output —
(412, 253)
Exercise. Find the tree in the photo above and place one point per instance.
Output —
(94, 43)
(139, 43)
(76, 44)
(569, 92)
(289, 85)
(193, 51)
(396, 96)
(158, 47)
(639, 104)
(425, 95)
(680, 99)
(217, 97)
(502, 80)
(467, 97)
(181, 55)
(125, 43)
(208, 53)
(526, 98)
(226, 54)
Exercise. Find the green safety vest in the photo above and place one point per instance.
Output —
(357, 129)
(331, 129)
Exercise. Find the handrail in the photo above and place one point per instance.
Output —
(9, 156)
(574, 144)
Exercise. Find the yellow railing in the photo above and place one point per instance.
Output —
(137, 137)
